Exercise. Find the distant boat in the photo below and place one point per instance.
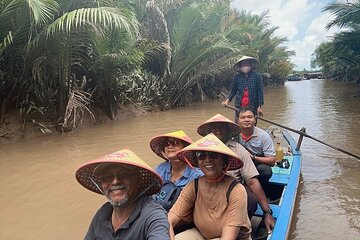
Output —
(294, 78)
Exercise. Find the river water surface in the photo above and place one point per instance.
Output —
(40, 198)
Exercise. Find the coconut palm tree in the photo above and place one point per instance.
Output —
(58, 56)
(253, 35)
(57, 44)
(19, 21)
(342, 54)
(190, 45)
(204, 38)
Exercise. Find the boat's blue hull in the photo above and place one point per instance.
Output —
(287, 202)
(288, 180)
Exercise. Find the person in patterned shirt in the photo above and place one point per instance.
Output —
(247, 86)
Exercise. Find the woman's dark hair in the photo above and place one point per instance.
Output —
(225, 159)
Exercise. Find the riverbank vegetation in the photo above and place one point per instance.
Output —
(340, 57)
(60, 59)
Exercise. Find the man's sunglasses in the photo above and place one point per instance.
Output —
(109, 177)
(201, 155)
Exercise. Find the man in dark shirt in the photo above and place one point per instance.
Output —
(127, 182)
(247, 86)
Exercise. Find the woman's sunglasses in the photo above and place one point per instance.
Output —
(174, 143)
(201, 155)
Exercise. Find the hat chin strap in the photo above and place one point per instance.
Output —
(163, 153)
(138, 196)
(97, 186)
(128, 203)
(219, 178)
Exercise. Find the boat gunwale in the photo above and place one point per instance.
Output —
(283, 221)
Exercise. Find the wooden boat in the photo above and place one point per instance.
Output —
(282, 189)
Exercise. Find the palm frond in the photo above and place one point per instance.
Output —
(104, 16)
(157, 29)
(7, 41)
(344, 42)
(42, 10)
(346, 14)
(186, 78)
(77, 105)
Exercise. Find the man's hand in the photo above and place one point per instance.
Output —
(269, 222)
(235, 174)
(226, 102)
(260, 112)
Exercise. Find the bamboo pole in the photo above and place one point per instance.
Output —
(301, 133)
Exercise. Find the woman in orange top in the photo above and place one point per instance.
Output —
(215, 202)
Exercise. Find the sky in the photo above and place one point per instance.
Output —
(302, 22)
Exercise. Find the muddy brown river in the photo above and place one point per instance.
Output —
(40, 198)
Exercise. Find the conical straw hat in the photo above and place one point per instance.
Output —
(206, 127)
(126, 158)
(253, 60)
(157, 143)
(209, 143)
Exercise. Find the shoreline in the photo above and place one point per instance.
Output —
(11, 131)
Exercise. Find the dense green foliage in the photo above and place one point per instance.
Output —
(340, 57)
(61, 58)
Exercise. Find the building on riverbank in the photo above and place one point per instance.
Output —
(310, 75)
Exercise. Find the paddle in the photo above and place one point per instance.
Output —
(301, 133)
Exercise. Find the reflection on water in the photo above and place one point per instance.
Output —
(40, 198)
(330, 194)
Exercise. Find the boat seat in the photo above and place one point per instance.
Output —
(281, 175)
(279, 179)
(274, 208)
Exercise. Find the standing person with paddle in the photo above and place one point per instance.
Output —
(247, 86)
(225, 129)
(215, 202)
(130, 213)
